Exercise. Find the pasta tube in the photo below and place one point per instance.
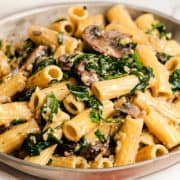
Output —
(173, 64)
(118, 14)
(72, 105)
(44, 156)
(95, 20)
(77, 13)
(170, 111)
(13, 138)
(151, 152)
(63, 26)
(42, 35)
(44, 76)
(69, 162)
(161, 86)
(82, 124)
(11, 86)
(159, 126)
(14, 110)
(137, 35)
(102, 163)
(128, 141)
(109, 89)
(60, 90)
(147, 138)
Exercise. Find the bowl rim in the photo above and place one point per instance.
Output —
(41, 8)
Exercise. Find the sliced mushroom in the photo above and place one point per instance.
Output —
(87, 77)
(65, 62)
(39, 51)
(112, 43)
(129, 109)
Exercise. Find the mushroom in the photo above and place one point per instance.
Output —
(111, 43)
(129, 109)
(39, 51)
(65, 62)
(87, 76)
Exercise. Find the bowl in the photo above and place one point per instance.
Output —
(14, 29)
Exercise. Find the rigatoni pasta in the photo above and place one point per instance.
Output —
(84, 92)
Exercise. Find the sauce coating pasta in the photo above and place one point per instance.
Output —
(84, 92)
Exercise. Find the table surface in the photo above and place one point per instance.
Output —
(171, 7)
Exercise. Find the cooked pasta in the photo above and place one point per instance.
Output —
(83, 92)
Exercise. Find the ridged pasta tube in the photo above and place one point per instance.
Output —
(109, 89)
(44, 76)
(82, 124)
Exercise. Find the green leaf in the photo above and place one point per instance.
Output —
(51, 104)
(29, 45)
(118, 121)
(95, 115)
(100, 136)
(37, 66)
(175, 80)
(137, 60)
(18, 121)
(60, 38)
(81, 92)
(25, 95)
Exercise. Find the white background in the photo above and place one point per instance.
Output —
(171, 7)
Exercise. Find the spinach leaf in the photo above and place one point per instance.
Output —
(81, 92)
(35, 142)
(60, 38)
(24, 95)
(50, 107)
(18, 121)
(175, 80)
(118, 121)
(144, 78)
(163, 57)
(100, 136)
(95, 115)
(37, 66)
(29, 45)
(162, 30)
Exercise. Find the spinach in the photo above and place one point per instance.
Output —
(83, 142)
(100, 136)
(144, 78)
(54, 81)
(162, 30)
(29, 45)
(118, 121)
(17, 121)
(37, 66)
(81, 92)
(24, 95)
(95, 115)
(66, 75)
(35, 142)
(163, 57)
(175, 80)
(60, 38)
(51, 106)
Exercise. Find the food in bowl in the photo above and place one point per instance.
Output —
(84, 92)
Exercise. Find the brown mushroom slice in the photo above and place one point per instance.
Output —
(129, 109)
(39, 51)
(112, 43)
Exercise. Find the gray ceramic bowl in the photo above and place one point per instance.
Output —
(14, 28)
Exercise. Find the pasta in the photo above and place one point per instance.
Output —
(91, 91)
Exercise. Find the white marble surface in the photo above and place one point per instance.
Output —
(171, 7)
